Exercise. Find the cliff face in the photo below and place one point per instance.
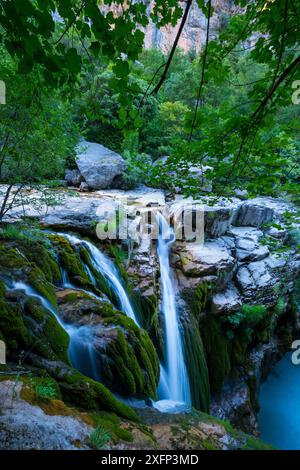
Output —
(194, 33)
(193, 36)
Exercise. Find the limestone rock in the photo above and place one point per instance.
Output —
(211, 258)
(254, 213)
(256, 282)
(24, 426)
(99, 165)
(227, 301)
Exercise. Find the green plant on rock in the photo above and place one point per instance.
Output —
(46, 389)
(99, 438)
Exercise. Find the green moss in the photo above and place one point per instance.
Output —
(37, 280)
(57, 338)
(280, 307)
(40, 255)
(216, 347)
(111, 423)
(197, 298)
(146, 309)
(88, 394)
(12, 328)
(69, 259)
(197, 366)
(101, 282)
(134, 368)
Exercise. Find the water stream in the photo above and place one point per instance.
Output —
(174, 388)
(106, 267)
(173, 391)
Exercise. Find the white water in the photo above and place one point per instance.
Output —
(105, 266)
(80, 348)
(174, 388)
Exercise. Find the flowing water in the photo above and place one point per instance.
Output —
(106, 267)
(81, 352)
(279, 417)
(174, 388)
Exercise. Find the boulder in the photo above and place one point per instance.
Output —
(213, 219)
(26, 426)
(99, 165)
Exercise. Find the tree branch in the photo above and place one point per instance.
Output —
(202, 73)
(168, 63)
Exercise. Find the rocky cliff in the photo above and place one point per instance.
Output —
(194, 33)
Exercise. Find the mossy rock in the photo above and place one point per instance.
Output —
(81, 391)
(101, 282)
(197, 298)
(40, 255)
(195, 359)
(16, 266)
(26, 325)
(69, 259)
(217, 352)
(124, 354)
(148, 317)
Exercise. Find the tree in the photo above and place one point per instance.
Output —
(37, 133)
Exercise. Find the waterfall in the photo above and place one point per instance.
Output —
(106, 267)
(174, 384)
(80, 348)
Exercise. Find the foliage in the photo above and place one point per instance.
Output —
(46, 389)
(99, 438)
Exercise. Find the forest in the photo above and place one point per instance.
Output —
(180, 121)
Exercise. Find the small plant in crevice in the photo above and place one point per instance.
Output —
(99, 438)
(46, 390)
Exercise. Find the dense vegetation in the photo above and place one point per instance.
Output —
(70, 68)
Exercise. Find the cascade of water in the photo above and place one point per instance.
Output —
(81, 337)
(174, 385)
(106, 267)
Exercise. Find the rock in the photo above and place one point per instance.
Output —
(82, 214)
(227, 301)
(208, 259)
(84, 187)
(254, 213)
(235, 405)
(241, 193)
(216, 218)
(117, 345)
(24, 426)
(99, 165)
(73, 177)
(256, 282)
